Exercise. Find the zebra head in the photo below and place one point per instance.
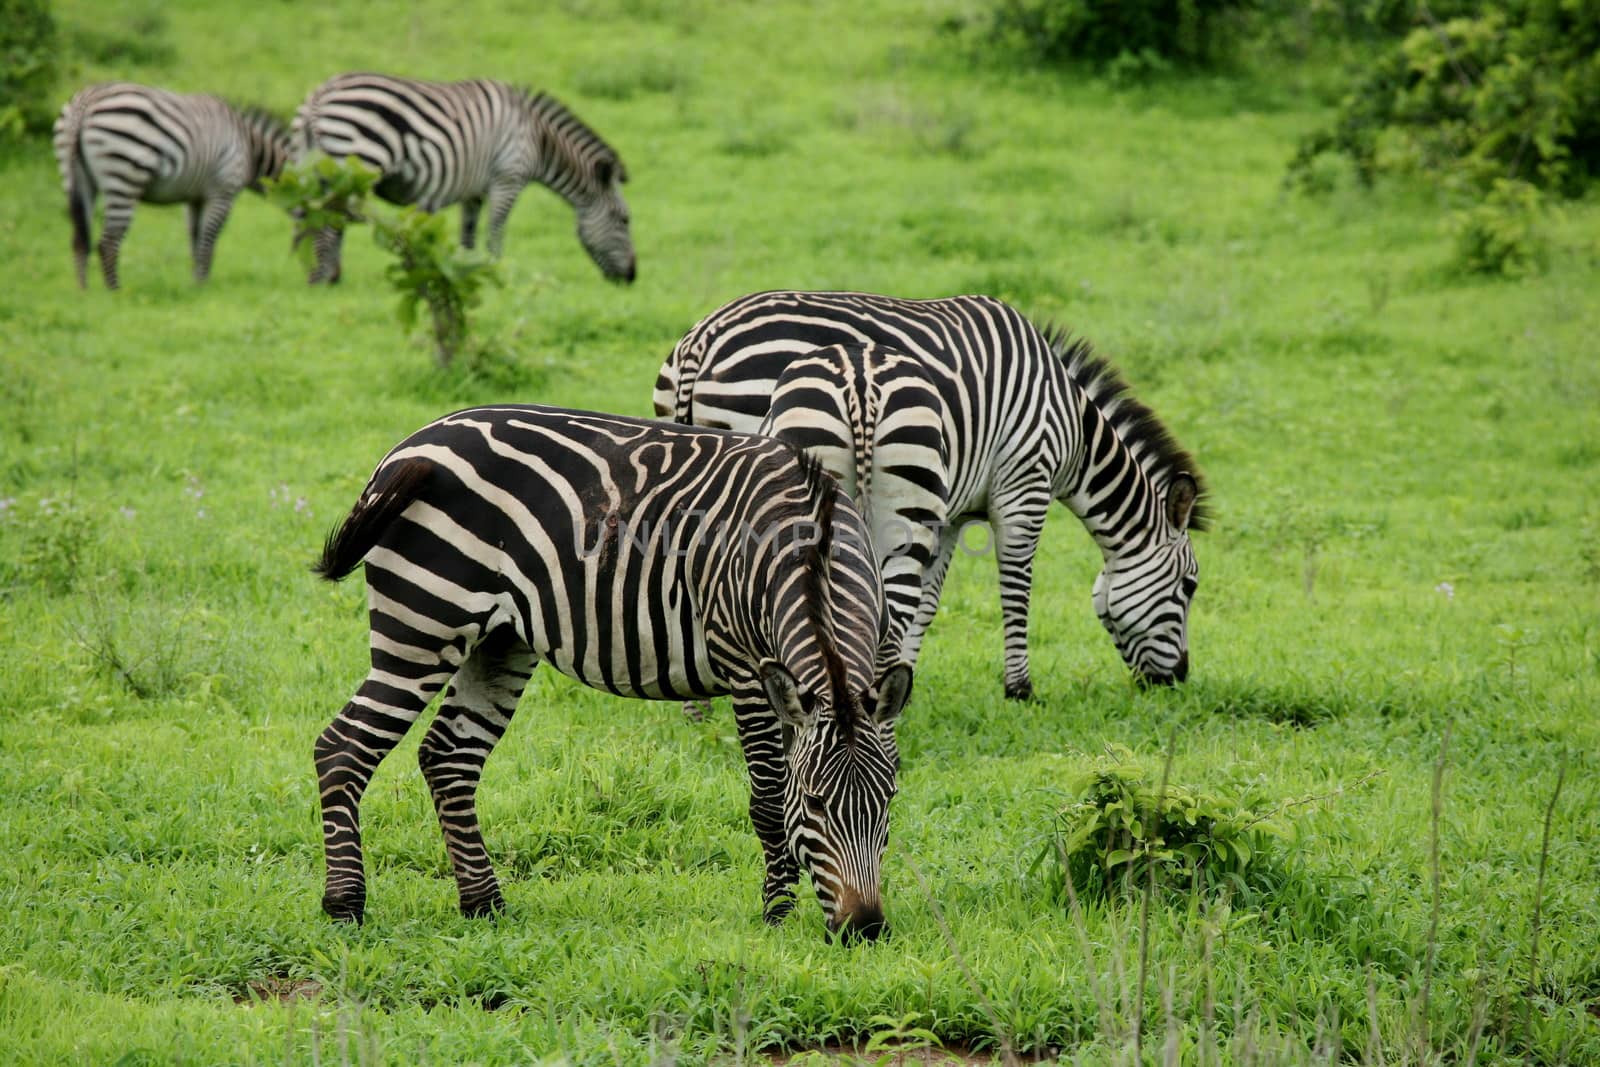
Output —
(1143, 595)
(842, 763)
(603, 222)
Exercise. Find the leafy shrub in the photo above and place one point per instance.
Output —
(1103, 31)
(28, 61)
(321, 193)
(1501, 234)
(1509, 91)
(431, 270)
(1123, 830)
(44, 546)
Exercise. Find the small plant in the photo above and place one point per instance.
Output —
(1501, 234)
(430, 270)
(1124, 831)
(322, 193)
(52, 540)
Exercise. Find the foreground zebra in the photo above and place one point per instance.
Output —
(644, 559)
(1032, 418)
(131, 142)
(439, 143)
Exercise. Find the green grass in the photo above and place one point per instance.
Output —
(1408, 542)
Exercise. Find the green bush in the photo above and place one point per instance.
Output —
(1123, 830)
(431, 270)
(28, 61)
(321, 193)
(1102, 31)
(1501, 235)
(1511, 91)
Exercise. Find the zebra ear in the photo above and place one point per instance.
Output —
(894, 689)
(1180, 501)
(783, 693)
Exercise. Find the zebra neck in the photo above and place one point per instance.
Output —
(558, 162)
(1107, 487)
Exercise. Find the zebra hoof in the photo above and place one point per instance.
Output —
(1021, 691)
(485, 907)
(345, 909)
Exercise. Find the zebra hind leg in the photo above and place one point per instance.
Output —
(326, 242)
(471, 720)
(206, 220)
(119, 216)
(348, 752)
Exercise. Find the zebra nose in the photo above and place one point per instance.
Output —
(1180, 673)
(632, 271)
(863, 923)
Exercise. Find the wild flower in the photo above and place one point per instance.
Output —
(1447, 589)
(126, 512)
(6, 504)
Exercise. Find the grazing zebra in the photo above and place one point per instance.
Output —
(1032, 416)
(640, 558)
(133, 142)
(874, 420)
(437, 143)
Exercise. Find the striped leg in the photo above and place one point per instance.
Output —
(471, 721)
(932, 586)
(761, 737)
(1017, 513)
(326, 242)
(119, 216)
(471, 209)
(403, 679)
(206, 219)
(502, 197)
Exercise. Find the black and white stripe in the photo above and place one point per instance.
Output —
(127, 143)
(640, 558)
(440, 143)
(1032, 416)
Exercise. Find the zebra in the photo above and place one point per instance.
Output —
(874, 419)
(644, 559)
(1031, 416)
(437, 143)
(132, 142)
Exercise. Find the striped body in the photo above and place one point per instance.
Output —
(641, 559)
(440, 143)
(874, 420)
(1030, 418)
(128, 143)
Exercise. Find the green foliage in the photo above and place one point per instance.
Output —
(1508, 91)
(431, 270)
(44, 545)
(1501, 234)
(1134, 39)
(29, 57)
(321, 192)
(1125, 831)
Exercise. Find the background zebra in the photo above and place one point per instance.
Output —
(131, 142)
(1032, 417)
(874, 420)
(643, 559)
(437, 143)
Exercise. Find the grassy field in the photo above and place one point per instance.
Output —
(1405, 464)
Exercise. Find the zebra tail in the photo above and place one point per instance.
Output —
(74, 175)
(348, 544)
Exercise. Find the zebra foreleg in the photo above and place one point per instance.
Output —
(761, 737)
(470, 722)
(205, 225)
(119, 216)
(1017, 516)
(471, 209)
(347, 753)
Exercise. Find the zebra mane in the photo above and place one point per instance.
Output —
(260, 118)
(1136, 426)
(561, 119)
(817, 558)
